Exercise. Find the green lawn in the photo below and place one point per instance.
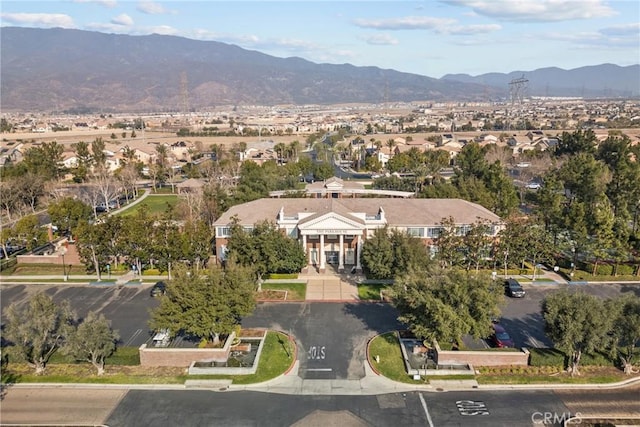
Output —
(371, 291)
(295, 291)
(387, 348)
(123, 367)
(157, 204)
(546, 368)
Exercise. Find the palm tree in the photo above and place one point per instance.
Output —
(294, 146)
(280, 149)
(391, 143)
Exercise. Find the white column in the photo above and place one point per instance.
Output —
(304, 246)
(358, 247)
(341, 254)
(322, 251)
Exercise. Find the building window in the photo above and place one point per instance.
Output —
(415, 231)
(293, 233)
(463, 230)
(223, 232)
(434, 232)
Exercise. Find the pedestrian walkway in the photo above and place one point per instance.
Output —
(331, 288)
(370, 384)
(330, 285)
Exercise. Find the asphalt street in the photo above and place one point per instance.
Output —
(331, 337)
(150, 406)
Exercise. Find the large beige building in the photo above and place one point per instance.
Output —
(332, 230)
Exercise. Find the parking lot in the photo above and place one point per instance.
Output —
(127, 307)
(331, 337)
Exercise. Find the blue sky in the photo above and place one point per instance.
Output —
(430, 38)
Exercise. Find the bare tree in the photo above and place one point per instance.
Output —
(107, 186)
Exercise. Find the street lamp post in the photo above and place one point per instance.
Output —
(64, 266)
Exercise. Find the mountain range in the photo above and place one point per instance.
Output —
(73, 70)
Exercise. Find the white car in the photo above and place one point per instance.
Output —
(534, 185)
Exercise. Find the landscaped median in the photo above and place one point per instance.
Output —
(546, 366)
(123, 367)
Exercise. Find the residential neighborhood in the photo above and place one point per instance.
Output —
(435, 212)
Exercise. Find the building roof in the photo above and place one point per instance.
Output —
(398, 212)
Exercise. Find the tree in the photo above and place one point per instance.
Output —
(580, 141)
(265, 249)
(377, 255)
(81, 171)
(205, 304)
(576, 323)
(93, 340)
(449, 242)
(45, 160)
(626, 329)
(28, 231)
(38, 329)
(447, 304)
(477, 244)
(107, 186)
(68, 212)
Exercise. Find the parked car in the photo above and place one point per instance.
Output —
(500, 337)
(160, 288)
(514, 289)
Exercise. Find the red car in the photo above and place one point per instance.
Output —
(500, 337)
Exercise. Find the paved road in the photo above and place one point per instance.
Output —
(331, 337)
(475, 408)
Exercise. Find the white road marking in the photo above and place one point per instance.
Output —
(426, 411)
(133, 337)
(320, 369)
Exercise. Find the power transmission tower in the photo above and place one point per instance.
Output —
(517, 89)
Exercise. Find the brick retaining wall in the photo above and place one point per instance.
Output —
(482, 358)
(163, 356)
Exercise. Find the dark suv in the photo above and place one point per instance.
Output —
(513, 288)
(158, 289)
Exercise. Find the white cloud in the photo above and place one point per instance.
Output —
(39, 19)
(165, 30)
(404, 23)
(469, 29)
(151, 8)
(623, 30)
(122, 19)
(381, 39)
(537, 10)
(106, 3)
(621, 37)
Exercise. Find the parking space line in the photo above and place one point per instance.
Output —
(133, 337)
(426, 411)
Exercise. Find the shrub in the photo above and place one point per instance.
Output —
(546, 357)
(625, 270)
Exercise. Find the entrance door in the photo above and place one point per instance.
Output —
(350, 257)
(332, 257)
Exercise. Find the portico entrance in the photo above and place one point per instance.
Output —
(332, 239)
